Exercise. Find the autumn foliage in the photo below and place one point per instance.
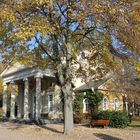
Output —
(53, 33)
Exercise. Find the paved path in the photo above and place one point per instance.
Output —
(13, 131)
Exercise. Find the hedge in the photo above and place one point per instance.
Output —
(118, 119)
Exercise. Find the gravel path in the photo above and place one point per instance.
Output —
(14, 131)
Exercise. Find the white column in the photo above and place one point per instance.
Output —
(126, 106)
(4, 107)
(20, 101)
(38, 96)
(13, 98)
(26, 99)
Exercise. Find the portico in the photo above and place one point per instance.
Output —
(30, 88)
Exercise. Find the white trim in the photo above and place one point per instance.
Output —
(116, 104)
(38, 75)
(19, 75)
(105, 106)
(100, 87)
(85, 104)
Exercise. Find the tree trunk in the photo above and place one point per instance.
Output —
(65, 78)
(66, 88)
(68, 110)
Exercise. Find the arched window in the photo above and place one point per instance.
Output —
(85, 105)
(105, 103)
(116, 104)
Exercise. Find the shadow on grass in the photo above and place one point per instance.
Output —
(91, 126)
(16, 124)
(50, 129)
(11, 125)
(106, 137)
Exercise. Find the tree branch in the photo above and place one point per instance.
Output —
(42, 47)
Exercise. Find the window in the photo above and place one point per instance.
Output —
(116, 104)
(105, 103)
(50, 103)
(85, 105)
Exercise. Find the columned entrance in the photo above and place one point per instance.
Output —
(30, 87)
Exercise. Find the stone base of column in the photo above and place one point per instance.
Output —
(12, 118)
(26, 118)
(19, 117)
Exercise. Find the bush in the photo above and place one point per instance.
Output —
(78, 118)
(82, 118)
(78, 103)
(118, 119)
(87, 118)
(102, 115)
(136, 118)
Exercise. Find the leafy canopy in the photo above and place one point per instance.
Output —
(53, 33)
(49, 25)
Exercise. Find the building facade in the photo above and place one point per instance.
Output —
(112, 100)
(34, 93)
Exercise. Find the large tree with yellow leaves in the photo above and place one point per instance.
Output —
(54, 33)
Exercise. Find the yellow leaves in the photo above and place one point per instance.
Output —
(137, 67)
(41, 25)
(26, 26)
(136, 16)
(29, 30)
(7, 14)
(1, 86)
(135, 13)
(35, 4)
(41, 2)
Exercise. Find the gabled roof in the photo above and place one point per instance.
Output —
(12, 69)
(94, 84)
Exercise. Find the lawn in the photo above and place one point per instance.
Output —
(15, 131)
(135, 124)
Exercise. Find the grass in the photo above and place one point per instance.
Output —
(135, 124)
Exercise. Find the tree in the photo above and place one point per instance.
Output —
(126, 81)
(53, 33)
(1, 90)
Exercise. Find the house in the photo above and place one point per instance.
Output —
(112, 100)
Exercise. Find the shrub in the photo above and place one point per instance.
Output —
(78, 103)
(94, 100)
(104, 115)
(82, 118)
(118, 119)
(87, 118)
(78, 118)
(136, 118)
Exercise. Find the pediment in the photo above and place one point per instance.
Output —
(13, 69)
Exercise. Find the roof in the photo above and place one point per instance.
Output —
(94, 84)
(12, 69)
